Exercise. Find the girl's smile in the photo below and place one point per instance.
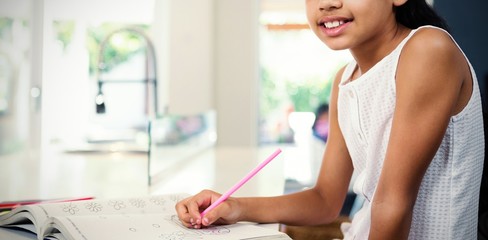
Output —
(333, 26)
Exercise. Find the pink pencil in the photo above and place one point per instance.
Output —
(240, 183)
(13, 204)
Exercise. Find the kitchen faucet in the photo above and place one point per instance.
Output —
(150, 66)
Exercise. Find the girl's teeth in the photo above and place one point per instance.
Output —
(333, 24)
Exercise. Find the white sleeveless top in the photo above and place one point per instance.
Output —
(447, 202)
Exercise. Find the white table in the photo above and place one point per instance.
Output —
(61, 175)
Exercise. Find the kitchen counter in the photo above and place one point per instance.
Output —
(105, 175)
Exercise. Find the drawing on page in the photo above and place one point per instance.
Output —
(70, 208)
(116, 204)
(176, 198)
(157, 201)
(137, 202)
(214, 230)
(211, 230)
(93, 206)
(182, 232)
(179, 236)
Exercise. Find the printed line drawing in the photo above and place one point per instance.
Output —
(211, 230)
(128, 211)
(214, 230)
(137, 202)
(182, 232)
(70, 208)
(116, 204)
(157, 201)
(178, 236)
(93, 206)
(176, 198)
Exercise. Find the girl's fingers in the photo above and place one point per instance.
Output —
(183, 214)
(225, 213)
(189, 209)
(194, 212)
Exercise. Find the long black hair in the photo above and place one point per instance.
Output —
(416, 13)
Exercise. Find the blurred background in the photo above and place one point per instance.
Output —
(88, 77)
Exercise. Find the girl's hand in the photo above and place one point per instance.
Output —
(189, 210)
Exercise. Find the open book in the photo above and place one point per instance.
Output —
(149, 217)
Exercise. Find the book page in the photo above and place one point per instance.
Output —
(38, 214)
(139, 205)
(28, 217)
(153, 226)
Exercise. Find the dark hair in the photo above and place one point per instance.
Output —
(416, 13)
(322, 108)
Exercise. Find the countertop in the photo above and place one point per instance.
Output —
(110, 175)
(106, 175)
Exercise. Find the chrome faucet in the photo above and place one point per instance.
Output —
(150, 66)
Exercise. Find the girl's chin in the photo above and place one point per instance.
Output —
(335, 43)
(336, 46)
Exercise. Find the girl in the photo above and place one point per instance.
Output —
(405, 114)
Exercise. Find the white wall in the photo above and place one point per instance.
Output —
(184, 37)
(237, 71)
(100, 10)
(15, 8)
(210, 61)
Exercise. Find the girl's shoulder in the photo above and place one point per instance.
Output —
(430, 59)
(432, 42)
(432, 49)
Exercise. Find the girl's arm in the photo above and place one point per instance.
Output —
(433, 83)
(323, 202)
(317, 205)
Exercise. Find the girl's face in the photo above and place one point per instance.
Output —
(347, 24)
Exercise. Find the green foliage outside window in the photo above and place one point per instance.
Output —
(121, 47)
(64, 31)
(270, 94)
(309, 94)
(5, 26)
(304, 95)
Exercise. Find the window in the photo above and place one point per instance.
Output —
(74, 32)
(297, 70)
